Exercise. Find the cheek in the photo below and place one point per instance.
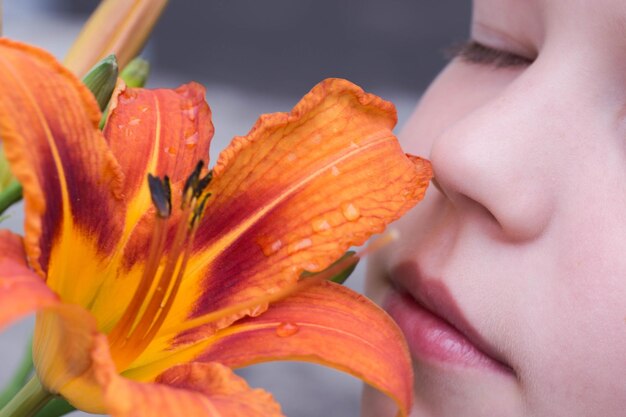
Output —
(579, 305)
(592, 288)
(457, 92)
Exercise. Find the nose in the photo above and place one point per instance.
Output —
(497, 161)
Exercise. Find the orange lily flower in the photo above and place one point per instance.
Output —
(144, 309)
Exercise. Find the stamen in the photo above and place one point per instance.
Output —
(192, 182)
(153, 298)
(199, 210)
(133, 344)
(123, 327)
(203, 183)
(165, 307)
(194, 186)
(161, 194)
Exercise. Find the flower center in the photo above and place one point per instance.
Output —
(157, 288)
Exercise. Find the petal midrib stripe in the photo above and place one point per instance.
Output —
(20, 83)
(218, 246)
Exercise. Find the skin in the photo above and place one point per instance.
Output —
(527, 227)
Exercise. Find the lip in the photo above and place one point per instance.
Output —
(434, 325)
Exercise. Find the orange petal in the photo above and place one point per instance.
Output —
(63, 344)
(49, 127)
(297, 191)
(119, 27)
(327, 324)
(72, 359)
(202, 390)
(162, 132)
(21, 290)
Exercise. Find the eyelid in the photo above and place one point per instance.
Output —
(475, 52)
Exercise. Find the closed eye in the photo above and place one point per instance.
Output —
(476, 53)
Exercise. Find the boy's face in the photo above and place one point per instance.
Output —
(509, 280)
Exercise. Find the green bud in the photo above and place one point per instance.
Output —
(101, 80)
(136, 73)
(10, 189)
(6, 177)
(340, 277)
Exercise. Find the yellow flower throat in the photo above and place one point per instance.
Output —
(155, 294)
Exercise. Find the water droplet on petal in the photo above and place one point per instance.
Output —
(312, 266)
(286, 329)
(350, 212)
(127, 96)
(134, 121)
(170, 150)
(143, 108)
(354, 145)
(191, 113)
(292, 157)
(298, 246)
(272, 248)
(316, 138)
(258, 310)
(191, 141)
(335, 171)
(320, 225)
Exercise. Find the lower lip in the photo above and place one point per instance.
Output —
(431, 338)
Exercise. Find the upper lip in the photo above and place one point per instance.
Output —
(434, 296)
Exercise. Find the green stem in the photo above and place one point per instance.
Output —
(24, 369)
(30, 399)
(11, 195)
(56, 408)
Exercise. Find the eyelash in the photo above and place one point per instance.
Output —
(476, 53)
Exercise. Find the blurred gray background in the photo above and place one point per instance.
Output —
(261, 56)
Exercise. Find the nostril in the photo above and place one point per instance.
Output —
(526, 217)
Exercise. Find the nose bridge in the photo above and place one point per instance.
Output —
(501, 155)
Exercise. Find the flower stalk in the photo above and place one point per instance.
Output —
(118, 27)
(28, 401)
(24, 370)
(56, 408)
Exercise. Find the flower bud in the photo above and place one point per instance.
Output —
(5, 172)
(101, 80)
(136, 73)
(119, 27)
(10, 189)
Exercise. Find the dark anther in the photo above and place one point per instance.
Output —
(194, 186)
(192, 180)
(197, 212)
(161, 194)
(203, 183)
